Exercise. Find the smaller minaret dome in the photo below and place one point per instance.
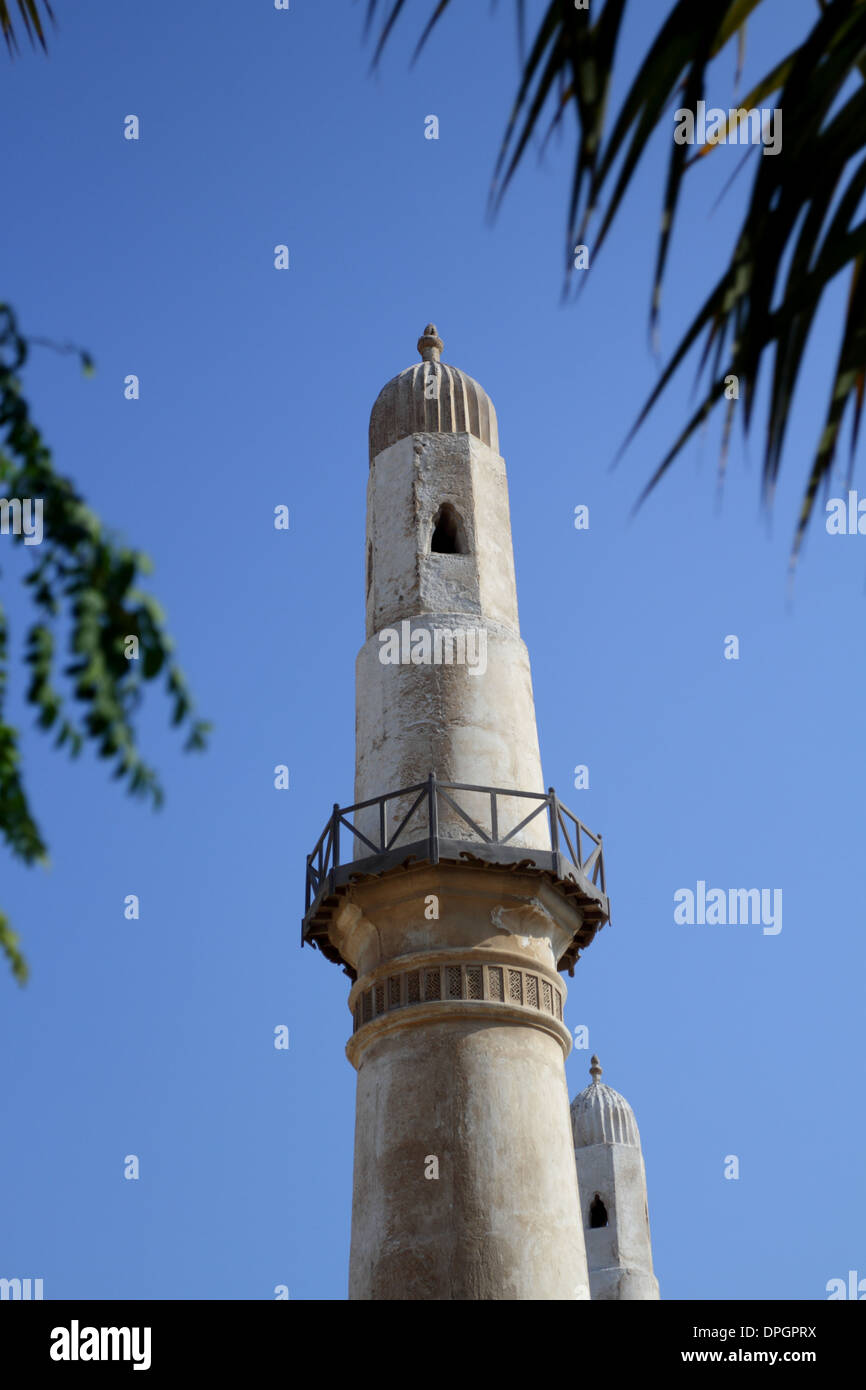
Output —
(431, 397)
(612, 1183)
(600, 1115)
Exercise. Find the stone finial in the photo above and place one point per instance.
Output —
(430, 344)
(595, 1069)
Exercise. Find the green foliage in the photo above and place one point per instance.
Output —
(9, 947)
(84, 581)
(800, 213)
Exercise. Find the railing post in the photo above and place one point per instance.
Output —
(307, 907)
(553, 816)
(433, 819)
(335, 837)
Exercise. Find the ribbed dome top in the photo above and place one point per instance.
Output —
(431, 397)
(600, 1115)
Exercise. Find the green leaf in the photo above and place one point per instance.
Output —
(9, 947)
(84, 586)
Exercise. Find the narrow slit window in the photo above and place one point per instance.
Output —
(448, 536)
(597, 1213)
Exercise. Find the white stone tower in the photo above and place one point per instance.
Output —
(612, 1182)
(456, 887)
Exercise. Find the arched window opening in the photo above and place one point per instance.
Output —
(597, 1213)
(448, 537)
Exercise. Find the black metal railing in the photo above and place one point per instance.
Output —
(569, 838)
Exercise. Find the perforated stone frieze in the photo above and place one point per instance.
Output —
(448, 983)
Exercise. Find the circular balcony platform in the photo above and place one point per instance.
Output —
(416, 841)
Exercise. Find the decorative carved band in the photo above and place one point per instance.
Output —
(502, 984)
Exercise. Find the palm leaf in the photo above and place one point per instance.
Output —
(28, 11)
(799, 213)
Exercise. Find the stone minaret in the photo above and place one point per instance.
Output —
(456, 887)
(612, 1181)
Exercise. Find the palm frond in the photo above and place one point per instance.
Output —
(800, 212)
(28, 12)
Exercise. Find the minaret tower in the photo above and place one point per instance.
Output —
(456, 888)
(612, 1182)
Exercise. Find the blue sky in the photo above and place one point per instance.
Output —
(155, 1037)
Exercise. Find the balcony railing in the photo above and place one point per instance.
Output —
(575, 854)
